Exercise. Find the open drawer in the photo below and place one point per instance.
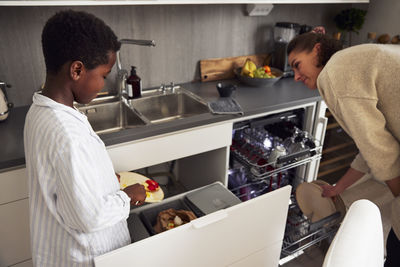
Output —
(246, 234)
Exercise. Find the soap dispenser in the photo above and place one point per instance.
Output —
(134, 84)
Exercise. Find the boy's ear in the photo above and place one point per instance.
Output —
(76, 70)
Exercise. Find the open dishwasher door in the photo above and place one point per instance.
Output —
(247, 234)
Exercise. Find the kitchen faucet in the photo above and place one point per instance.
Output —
(122, 74)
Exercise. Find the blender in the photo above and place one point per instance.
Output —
(284, 32)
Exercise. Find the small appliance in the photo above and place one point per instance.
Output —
(284, 32)
(4, 105)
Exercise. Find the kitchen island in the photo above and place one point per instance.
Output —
(254, 101)
(204, 138)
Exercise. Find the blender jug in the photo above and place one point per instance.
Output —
(284, 32)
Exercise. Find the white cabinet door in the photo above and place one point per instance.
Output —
(247, 234)
(14, 233)
(159, 149)
(13, 185)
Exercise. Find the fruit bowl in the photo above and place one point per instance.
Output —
(259, 82)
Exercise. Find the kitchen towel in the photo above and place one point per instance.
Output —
(225, 105)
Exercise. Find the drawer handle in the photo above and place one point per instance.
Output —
(209, 219)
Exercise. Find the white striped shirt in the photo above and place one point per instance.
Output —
(77, 210)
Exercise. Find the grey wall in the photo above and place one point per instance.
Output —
(383, 16)
(184, 35)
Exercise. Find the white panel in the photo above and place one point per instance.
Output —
(265, 257)
(14, 233)
(152, 151)
(168, 2)
(319, 130)
(13, 185)
(223, 238)
(27, 263)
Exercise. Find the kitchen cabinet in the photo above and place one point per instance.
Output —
(14, 219)
(164, 2)
(217, 238)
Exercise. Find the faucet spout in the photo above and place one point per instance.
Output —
(138, 42)
(121, 73)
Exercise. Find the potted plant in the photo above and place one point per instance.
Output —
(350, 20)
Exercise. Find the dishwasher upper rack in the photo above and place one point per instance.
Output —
(285, 162)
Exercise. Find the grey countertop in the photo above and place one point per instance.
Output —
(253, 100)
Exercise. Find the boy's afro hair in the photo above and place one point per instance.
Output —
(76, 35)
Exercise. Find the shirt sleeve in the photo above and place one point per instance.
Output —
(81, 199)
(365, 123)
(360, 164)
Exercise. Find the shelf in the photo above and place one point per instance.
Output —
(332, 126)
(337, 147)
(340, 167)
(336, 159)
(166, 2)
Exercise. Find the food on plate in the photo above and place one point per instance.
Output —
(154, 192)
(250, 69)
(171, 218)
(151, 185)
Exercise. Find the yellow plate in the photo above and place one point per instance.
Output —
(130, 178)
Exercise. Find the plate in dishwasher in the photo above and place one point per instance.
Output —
(311, 202)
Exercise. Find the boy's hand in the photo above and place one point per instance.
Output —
(137, 193)
(118, 177)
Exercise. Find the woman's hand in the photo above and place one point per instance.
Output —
(137, 193)
(329, 191)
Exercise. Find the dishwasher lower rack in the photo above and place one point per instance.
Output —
(301, 233)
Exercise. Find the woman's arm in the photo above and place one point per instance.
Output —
(349, 178)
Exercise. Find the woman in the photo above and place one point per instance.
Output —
(361, 87)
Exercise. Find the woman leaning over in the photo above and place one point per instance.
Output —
(361, 87)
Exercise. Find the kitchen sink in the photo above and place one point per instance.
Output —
(165, 107)
(110, 115)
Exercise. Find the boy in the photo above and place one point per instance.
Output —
(77, 210)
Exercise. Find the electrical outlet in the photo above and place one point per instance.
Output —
(259, 9)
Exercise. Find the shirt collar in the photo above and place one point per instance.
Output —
(44, 101)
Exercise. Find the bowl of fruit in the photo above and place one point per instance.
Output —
(252, 75)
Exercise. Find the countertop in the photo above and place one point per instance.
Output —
(253, 100)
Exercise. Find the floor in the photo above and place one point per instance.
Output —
(369, 189)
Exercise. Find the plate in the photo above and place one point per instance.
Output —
(311, 202)
(130, 178)
(259, 82)
(337, 201)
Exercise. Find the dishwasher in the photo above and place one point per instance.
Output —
(254, 170)
(243, 197)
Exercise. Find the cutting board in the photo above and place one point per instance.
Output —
(222, 68)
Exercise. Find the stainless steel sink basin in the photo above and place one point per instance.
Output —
(110, 116)
(160, 107)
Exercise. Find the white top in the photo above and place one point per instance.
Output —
(77, 210)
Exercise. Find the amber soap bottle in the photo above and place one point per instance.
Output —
(134, 84)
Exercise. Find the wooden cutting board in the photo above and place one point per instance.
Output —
(222, 68)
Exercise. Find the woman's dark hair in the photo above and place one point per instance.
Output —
(305, 43)
(76, 35)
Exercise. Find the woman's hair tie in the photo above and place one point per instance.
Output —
(319, 30)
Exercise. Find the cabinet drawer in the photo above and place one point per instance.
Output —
(14, 232)
(147, 152)
(13, 185)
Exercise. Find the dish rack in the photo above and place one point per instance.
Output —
(301, 233)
